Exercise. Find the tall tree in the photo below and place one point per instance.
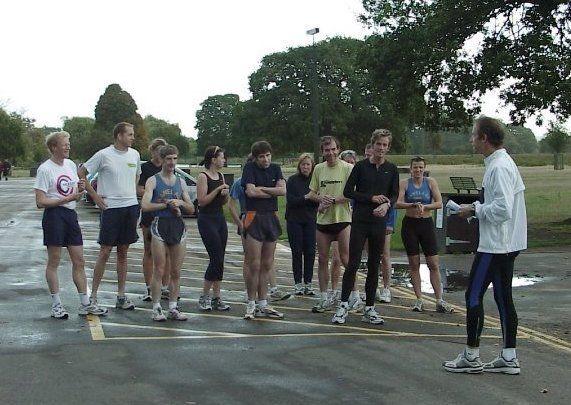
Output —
(214, 119)
(116, 105)
(431, 56)
(12, 136)
(80, 129)
(158, 128)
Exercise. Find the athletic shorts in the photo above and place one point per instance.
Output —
(262, 226)
(169, 230)
(333, 229)
(419, 231)
(391, 220)
(118, 226)
(61, 227)
(146, 219)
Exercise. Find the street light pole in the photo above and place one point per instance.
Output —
(314, 96)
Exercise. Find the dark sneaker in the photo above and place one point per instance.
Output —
(218, 305)
(59, 312)
(124, 303)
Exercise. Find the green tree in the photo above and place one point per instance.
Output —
(158, 128)
(13, 144)
(557, 139)
(424, 61)
(116, 105)
(214, 120)
(80, 130)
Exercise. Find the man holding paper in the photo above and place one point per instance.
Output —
(503, 234)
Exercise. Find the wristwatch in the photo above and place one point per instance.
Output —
(334, 201)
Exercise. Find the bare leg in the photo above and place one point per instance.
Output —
(386, 263)
(335, 266)
(177, 254)
(121, 269)
(343, 245)
(167, 274)
(254, 252)
(159, 251)
(323, 246)
(245, 261)
(266, 266)
(54, 255)
(78, 268)
(147, 256)
(433, 265)
(414, 268)
(99, 269)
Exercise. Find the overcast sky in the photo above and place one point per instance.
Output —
(60, 55)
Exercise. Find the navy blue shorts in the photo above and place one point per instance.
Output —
(147, 218)
(61, 227)
(118, 226)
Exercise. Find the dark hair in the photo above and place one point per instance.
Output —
(417, 159)
(326, 140)
(369, 146)
(261, 147)
(166, 150)
(492, 128)
(157, 143)
(381, 133)
(120, 128)
(210, 153)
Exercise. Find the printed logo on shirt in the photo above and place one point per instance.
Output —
(65, 185)
(132, 164)
(324, 183)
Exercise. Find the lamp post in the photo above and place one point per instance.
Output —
(314, 95)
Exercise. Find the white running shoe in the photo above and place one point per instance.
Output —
(59, 312)
(501, 365)
(418, 306)
(92, 309)
(277, 295)
(341, 314)
(462, 364)
(325, 304)
(158, 315)
(308, 290)
(175, 315)
(356, 304)
(372, 316)
(124, 303)
(298, 289)
(205, 303)
(384, 295)
(269, 312)
(250, 310)
(444, 307)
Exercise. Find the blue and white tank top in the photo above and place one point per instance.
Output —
(422, 194)
(163, 192)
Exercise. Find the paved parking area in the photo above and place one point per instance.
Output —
(221, 358)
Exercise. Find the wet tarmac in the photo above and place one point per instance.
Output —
(219, 358)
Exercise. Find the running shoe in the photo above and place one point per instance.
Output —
(418, 306)
(384, 295)
(218, 305)
(341, 314)
(165, 294)
(147, 297)
(175, 315)
(463, 365)
(268, 312)
(92, 309)
(356, 304)
(298, 289)
(372, 316)
(308, 290)
(204, 303)
(124, 303)
(501, 365)
(59, 312)
(158, 315)
(250, 310)
(277, 295)
(444, 307)
(336, 298)
(325, 304)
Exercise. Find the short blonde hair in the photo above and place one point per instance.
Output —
(381, 133)
(300, 160)
(53, 138)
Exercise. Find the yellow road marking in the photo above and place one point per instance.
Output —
(95, 327)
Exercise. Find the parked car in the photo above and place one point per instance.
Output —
(188, 181)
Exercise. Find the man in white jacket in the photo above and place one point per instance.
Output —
(503, 234)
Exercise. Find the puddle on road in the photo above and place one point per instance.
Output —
(452, 280)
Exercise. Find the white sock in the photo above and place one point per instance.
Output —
(55, 299)
(172, 304)
(262, 303)
(354, 295)
(156, 305)
(472, 352)
(84, 299)
(251, 302)
(509, 354)
(164, 288)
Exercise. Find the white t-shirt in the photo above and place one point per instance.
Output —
(117, 178)
(57, 181)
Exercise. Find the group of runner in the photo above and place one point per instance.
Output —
(341, 201)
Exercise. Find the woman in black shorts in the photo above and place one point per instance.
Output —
(420, 195)
(212, 193)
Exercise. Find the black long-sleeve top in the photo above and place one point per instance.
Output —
(298, 209)
(365, 181)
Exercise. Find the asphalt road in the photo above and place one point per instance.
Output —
(219, 358)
